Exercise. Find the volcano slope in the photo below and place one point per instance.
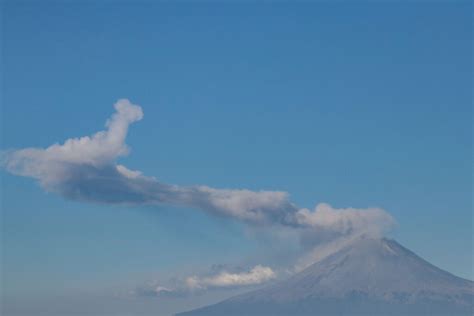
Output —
(368, 277)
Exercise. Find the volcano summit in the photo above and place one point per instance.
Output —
(368, 277)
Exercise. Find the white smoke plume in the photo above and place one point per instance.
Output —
(86, 169)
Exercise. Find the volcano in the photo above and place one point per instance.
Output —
(368, 277)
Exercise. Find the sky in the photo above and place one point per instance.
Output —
(366, 107)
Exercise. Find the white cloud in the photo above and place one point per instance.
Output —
(86, 168)
(56, 164)
(345, 221)
(257, 275)
(223, 278)
(261, 206)
(131, 174)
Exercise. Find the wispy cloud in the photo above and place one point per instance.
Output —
(197, 284)
(345, 221)
(86, 169)
(257, 275)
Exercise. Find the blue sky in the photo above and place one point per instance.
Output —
(356, 105)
